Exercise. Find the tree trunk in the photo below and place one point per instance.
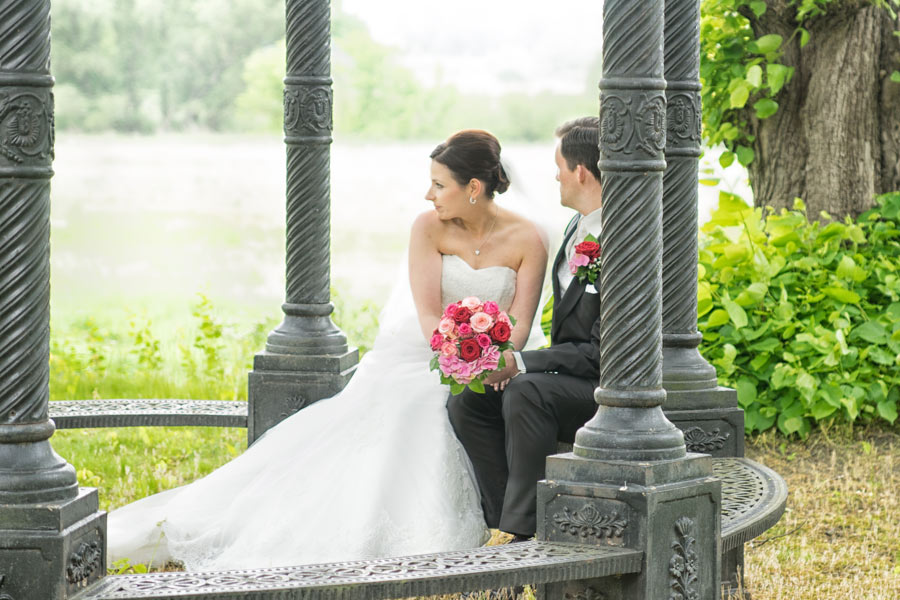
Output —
(835, 140)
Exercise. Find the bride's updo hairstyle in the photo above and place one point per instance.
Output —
(473, 154)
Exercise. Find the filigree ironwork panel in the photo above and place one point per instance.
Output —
(698, 439)
(83, 561)
(69, 414)
(307, 108)
(26, 126)
(683, 565)
(743, 489)
(590, 522)
(483, 568)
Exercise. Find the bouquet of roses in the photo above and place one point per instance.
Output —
(469, 342)
(585, 263)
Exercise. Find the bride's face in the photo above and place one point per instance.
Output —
(450, 198)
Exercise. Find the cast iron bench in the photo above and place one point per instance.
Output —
(76, 414)
(753, 499)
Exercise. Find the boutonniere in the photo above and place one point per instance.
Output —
(585, 263)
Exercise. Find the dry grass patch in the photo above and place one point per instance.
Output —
(840, 535)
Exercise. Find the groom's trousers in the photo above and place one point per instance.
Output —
(508, 436)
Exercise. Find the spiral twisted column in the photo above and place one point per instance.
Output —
(629, 458)
(30, 472)
(307, 328)
(629, 423)
(683, 367)
(306, 357)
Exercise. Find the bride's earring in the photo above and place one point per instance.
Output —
(472, 200)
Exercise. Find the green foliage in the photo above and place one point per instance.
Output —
(143, 66)
(737, 69)
(740, 71)
(205, 358)
(803, 319)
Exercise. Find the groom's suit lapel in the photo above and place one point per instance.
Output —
(563, 306)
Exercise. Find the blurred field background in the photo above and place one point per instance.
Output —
(168, 228)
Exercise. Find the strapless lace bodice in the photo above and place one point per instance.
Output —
(459, 280)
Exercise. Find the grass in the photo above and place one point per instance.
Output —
(839, 538)
(840, 535)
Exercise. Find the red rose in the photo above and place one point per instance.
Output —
(500, 332)
(589, 249)
(462, 315)
(469, 350)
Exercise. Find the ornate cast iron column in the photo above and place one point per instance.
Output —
(629, 478)
(707, 414)
(306, 356)
(51, 534)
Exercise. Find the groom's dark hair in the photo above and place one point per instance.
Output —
(579, 143)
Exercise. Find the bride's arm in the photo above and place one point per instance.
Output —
(425, 271)
(529, 282)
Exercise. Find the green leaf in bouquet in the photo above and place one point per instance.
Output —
(456, 388)
(434, 365)
(477, 386)
(590, 238)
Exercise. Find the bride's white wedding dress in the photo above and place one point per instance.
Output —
(374, 471)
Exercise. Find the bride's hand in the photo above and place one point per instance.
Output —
(499, 378)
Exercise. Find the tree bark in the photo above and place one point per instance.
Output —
(835, 140)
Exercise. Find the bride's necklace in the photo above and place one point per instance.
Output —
(488, 236)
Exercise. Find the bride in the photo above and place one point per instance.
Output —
(376, 470)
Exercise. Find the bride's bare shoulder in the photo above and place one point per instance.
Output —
(528, 231)
(427, 230)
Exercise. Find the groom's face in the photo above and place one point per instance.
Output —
(567, 181)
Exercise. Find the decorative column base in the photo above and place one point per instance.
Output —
(282, 384)
(668, 509)
(711, 420)
(52, 551)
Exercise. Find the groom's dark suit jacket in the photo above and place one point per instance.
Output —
(575, 330)
(509, 434)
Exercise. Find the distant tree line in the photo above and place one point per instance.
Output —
(147, 66)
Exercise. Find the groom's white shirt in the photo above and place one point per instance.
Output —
(590, 223)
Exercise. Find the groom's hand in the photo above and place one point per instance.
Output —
(499, 378)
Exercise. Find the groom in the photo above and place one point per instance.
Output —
(509, 432)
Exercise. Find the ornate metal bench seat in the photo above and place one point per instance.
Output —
(74, 414)
(424, 575)
(753, 499)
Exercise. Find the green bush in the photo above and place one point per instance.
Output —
(803, 319)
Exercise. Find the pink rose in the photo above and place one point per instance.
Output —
(436, 341)
(446, 327)
(483, 339)
(465, 330)
(472, 303)
(450, 311)
(504, 318)
(448, 349)
(481, 322)
(579, 260)
(491, 308)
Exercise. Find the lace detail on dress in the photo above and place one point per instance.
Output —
(459, 279)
